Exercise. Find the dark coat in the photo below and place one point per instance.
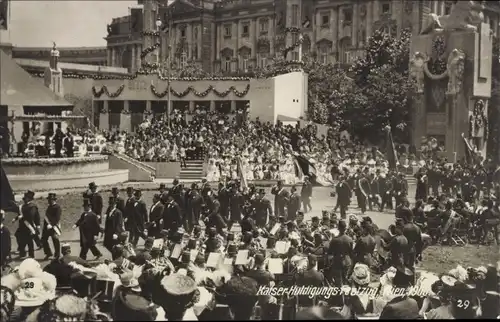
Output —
(344, 193)
(293, 206)
(5, 249)
(113, 226)
(96, 202)
(140, 216)
(31, 217)
(128, 214)
(281, 197)
(363, 250)
(194, 206)
(155, 218)
(400, 308)
(341, 249)
(52, 217)
(172, 216)
(236, 203)
(262, 209)
(89, 228)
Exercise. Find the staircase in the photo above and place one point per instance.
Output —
(192, 171)
(411, 180)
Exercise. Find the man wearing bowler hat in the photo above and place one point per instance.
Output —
(95, 199)
(29, 226)
(51, 227)
(89, 230)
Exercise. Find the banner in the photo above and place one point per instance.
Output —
(7, 201)
(391, 154)
(241, 175)
(308, 169)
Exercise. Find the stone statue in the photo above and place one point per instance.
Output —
(465, 15)
(455, 68)
(417, 64)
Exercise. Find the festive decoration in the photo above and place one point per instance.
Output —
(148, 50)
(49, 118)
(51, 162)
(437, 65)
(150, 33)
(104, 90)
(293, 30)
(191, 89)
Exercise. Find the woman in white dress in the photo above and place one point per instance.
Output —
(211, 170)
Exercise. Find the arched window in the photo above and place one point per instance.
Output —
(344, 47)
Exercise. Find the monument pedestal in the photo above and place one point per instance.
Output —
(452, 70)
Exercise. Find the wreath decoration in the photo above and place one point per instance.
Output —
(293, 30)
(191, 89)
(104, 90)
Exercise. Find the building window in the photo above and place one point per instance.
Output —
(295, 15)
(324, 51)
(195, 33)
(386, 8)
(325, 20)
(244, 62)
(347, 16)
(183, 32)
(246, 30)
(347, 57)
(295, 56)
(183, 60)
(227, 31)
(262, 61)
(264, 26)
(227, 64)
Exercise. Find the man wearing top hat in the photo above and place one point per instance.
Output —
(139, 219)
(29, 226)
(120, 203)
(156, 217)
(88, 225)
(95, 199)
(281, 197)
(306, 194)
(344, 195)
(172, 215)
(51, 227)
(177, 192)
(293, 203)
(113, 226)
(162, 188)
(235, 204)
(194, 203)
(262, 208)
(128, 214)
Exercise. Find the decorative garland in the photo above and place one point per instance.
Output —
(49, 162)
(104, 90)
(191, 89)
(293, 30)
(148, 50)
(150, 33)
(35, 118)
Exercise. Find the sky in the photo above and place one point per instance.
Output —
(68, 23)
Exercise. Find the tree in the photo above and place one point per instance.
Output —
(382, 90)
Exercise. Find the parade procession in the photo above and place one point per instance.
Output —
(249, 160)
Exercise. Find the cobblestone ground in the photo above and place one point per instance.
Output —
(436, 258)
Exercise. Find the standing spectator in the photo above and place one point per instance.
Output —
(58, 142)
(69, 144)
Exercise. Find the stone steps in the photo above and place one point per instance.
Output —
(192, 171)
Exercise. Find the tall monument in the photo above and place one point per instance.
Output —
(451, 61)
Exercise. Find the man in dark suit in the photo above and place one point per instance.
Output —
(194, 205)
(399, 245)
(262, 209)
(364, 192)
(113, 226)
(6, 242)
(306, 194)
(120, 203)
(29, 226)
(385, 191)
(95, 200)
(140, 219)
(128, 214)
(281, 197)
(400, 188)
(214, 218)
(343, 196)
(236, 201)
(89, 230)
(293, 204)
(51, 227)
(341, 251)
(415, 244)
(156, 217)
(401, 307)
(69, 144)
(172, 215)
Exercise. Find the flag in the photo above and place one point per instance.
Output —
(469, 152)
(391, 154)
(307, 167)
(241, 175)
(298, 170)
(7, 201)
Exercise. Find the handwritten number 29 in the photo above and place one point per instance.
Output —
(29, 285)
(463, 304)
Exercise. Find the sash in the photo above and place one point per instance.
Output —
(56, 228)
(29, 226)
(361, 189)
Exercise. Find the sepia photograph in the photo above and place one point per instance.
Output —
(208, 160)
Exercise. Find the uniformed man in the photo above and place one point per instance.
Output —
(156, 217)
(29, 226)
(51, 227)
(344, 195)
(88, 225)
(341, 251)
(415, 244)
(399, 245)
(140, 219)
(400, 188)
(365, 245)
(293, 203)
(120, 203)
(281, 197)
(95, 199)
(386, 191)
(364, 193)
(113, 226)
(309, 277)
(306, 194)
(235, 204)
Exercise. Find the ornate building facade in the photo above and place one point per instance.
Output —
(231, 36)
(76, 55)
